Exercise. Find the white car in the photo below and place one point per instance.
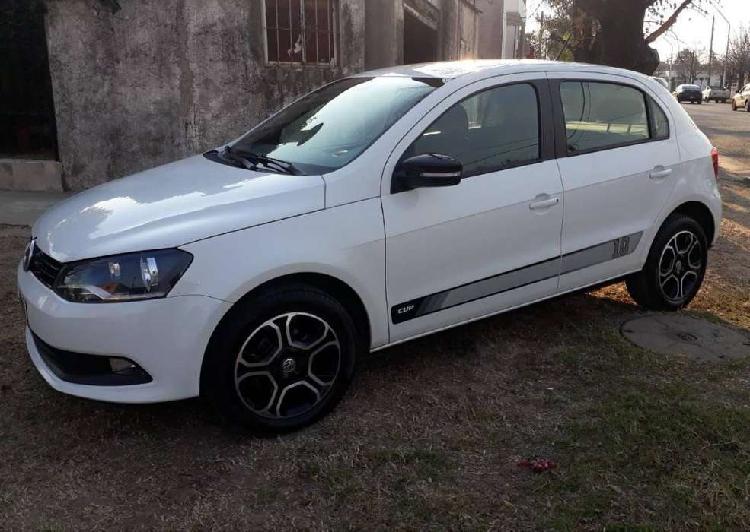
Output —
(379, 208)
(741, 100)
(717, 94)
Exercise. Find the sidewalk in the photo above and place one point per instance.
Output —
(23, 208)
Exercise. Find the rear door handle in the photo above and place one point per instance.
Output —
(660, 172)
(543, 204)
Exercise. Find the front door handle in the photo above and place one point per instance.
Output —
(660, 172)
(543, 204)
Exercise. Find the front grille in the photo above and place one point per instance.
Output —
(44, 267)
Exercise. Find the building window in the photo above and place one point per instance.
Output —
(301, 31)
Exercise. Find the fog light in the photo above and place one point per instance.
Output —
(122, 366)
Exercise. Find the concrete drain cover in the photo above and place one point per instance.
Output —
(685, 335)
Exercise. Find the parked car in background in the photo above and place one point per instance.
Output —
(662, 81)
(717, 94)
(741, 100)
(688, 93)
(377, 209)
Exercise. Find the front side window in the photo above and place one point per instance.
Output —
(489, 131)
(602, 115)
(330, 127)
(301, 31)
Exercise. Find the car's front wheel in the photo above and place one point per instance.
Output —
(675, 266)
(734, 105)
(281, 360)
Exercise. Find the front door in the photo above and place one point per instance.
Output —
(492, 242)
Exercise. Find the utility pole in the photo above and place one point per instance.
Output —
(726, 58)
(711, 50)
(726, 54)
(542, 54)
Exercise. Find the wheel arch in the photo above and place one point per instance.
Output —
(699, 212)
(335, 287)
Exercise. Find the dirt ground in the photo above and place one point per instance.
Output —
(429, 437)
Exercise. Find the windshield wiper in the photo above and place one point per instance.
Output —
(252, 161)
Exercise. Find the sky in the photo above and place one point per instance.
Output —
(692, 30)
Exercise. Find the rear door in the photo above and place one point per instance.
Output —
(618, 160)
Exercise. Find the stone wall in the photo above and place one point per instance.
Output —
(138, 83)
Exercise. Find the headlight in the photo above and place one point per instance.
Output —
(127, 277)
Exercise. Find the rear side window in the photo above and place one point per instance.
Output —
(602, 115)
(492, 130)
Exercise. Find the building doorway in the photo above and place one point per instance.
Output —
(420, 40)
(27, 117)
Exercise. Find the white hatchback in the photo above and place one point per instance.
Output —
(379, 208)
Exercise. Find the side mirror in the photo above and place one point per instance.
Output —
(427, 170)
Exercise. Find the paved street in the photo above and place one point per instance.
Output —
(729, 131)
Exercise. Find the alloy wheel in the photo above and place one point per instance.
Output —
(680, 266)
(287, 365)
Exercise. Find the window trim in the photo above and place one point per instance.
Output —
(545, 124)
(335, 25)
(561, 145)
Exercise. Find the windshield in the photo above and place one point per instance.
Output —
(332, 126)
(690, 87)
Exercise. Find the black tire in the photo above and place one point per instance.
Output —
(734, 105)
(747, 105)
(255, 324)
(653, 287)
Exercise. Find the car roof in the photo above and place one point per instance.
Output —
(481, 68)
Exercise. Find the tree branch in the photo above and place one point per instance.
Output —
(669, 22)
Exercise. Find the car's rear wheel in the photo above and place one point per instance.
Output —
(281, 360)
(675, 266)
(747, 106)
(734, 105)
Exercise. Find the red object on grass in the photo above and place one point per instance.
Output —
(537, 465)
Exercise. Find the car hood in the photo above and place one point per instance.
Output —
(172, 205)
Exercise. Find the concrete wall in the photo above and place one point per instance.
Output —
(384, 33)
(514, 11)
(157, 80)
(490, 29)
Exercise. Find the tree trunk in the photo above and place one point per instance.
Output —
(620, 41)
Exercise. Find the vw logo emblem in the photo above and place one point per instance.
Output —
(288, 367)
(28, 254)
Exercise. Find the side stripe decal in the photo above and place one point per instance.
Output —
(504, 282)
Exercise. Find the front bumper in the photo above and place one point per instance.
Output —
(166, 337)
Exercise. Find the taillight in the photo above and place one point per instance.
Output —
(715, 160)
